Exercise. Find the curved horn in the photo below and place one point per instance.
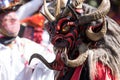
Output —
(79, 60)
(102, 10)
(57, 8)
(96, 36)
(41, 58)
(48, 14)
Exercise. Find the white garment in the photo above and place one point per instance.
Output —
(14, 61)
(45, 38)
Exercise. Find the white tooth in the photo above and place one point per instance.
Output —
(56, 51)
(54, 48)
(65, 50)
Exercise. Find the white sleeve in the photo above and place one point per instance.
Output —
(29, 8)
(3, 73)
(36, 72)
(41, 72)
(32, 47)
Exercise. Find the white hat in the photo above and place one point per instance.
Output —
(29, 8)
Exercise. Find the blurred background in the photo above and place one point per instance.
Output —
(114, 11)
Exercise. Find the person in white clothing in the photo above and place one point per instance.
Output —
(15, 52)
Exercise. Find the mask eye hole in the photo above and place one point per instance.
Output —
(65, 28)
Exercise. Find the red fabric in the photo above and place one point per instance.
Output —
(36, 20)
(37, 37)
(28, 33)
(37, 23)
(103, 72)
(77, 73)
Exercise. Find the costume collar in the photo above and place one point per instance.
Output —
(5, 40)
